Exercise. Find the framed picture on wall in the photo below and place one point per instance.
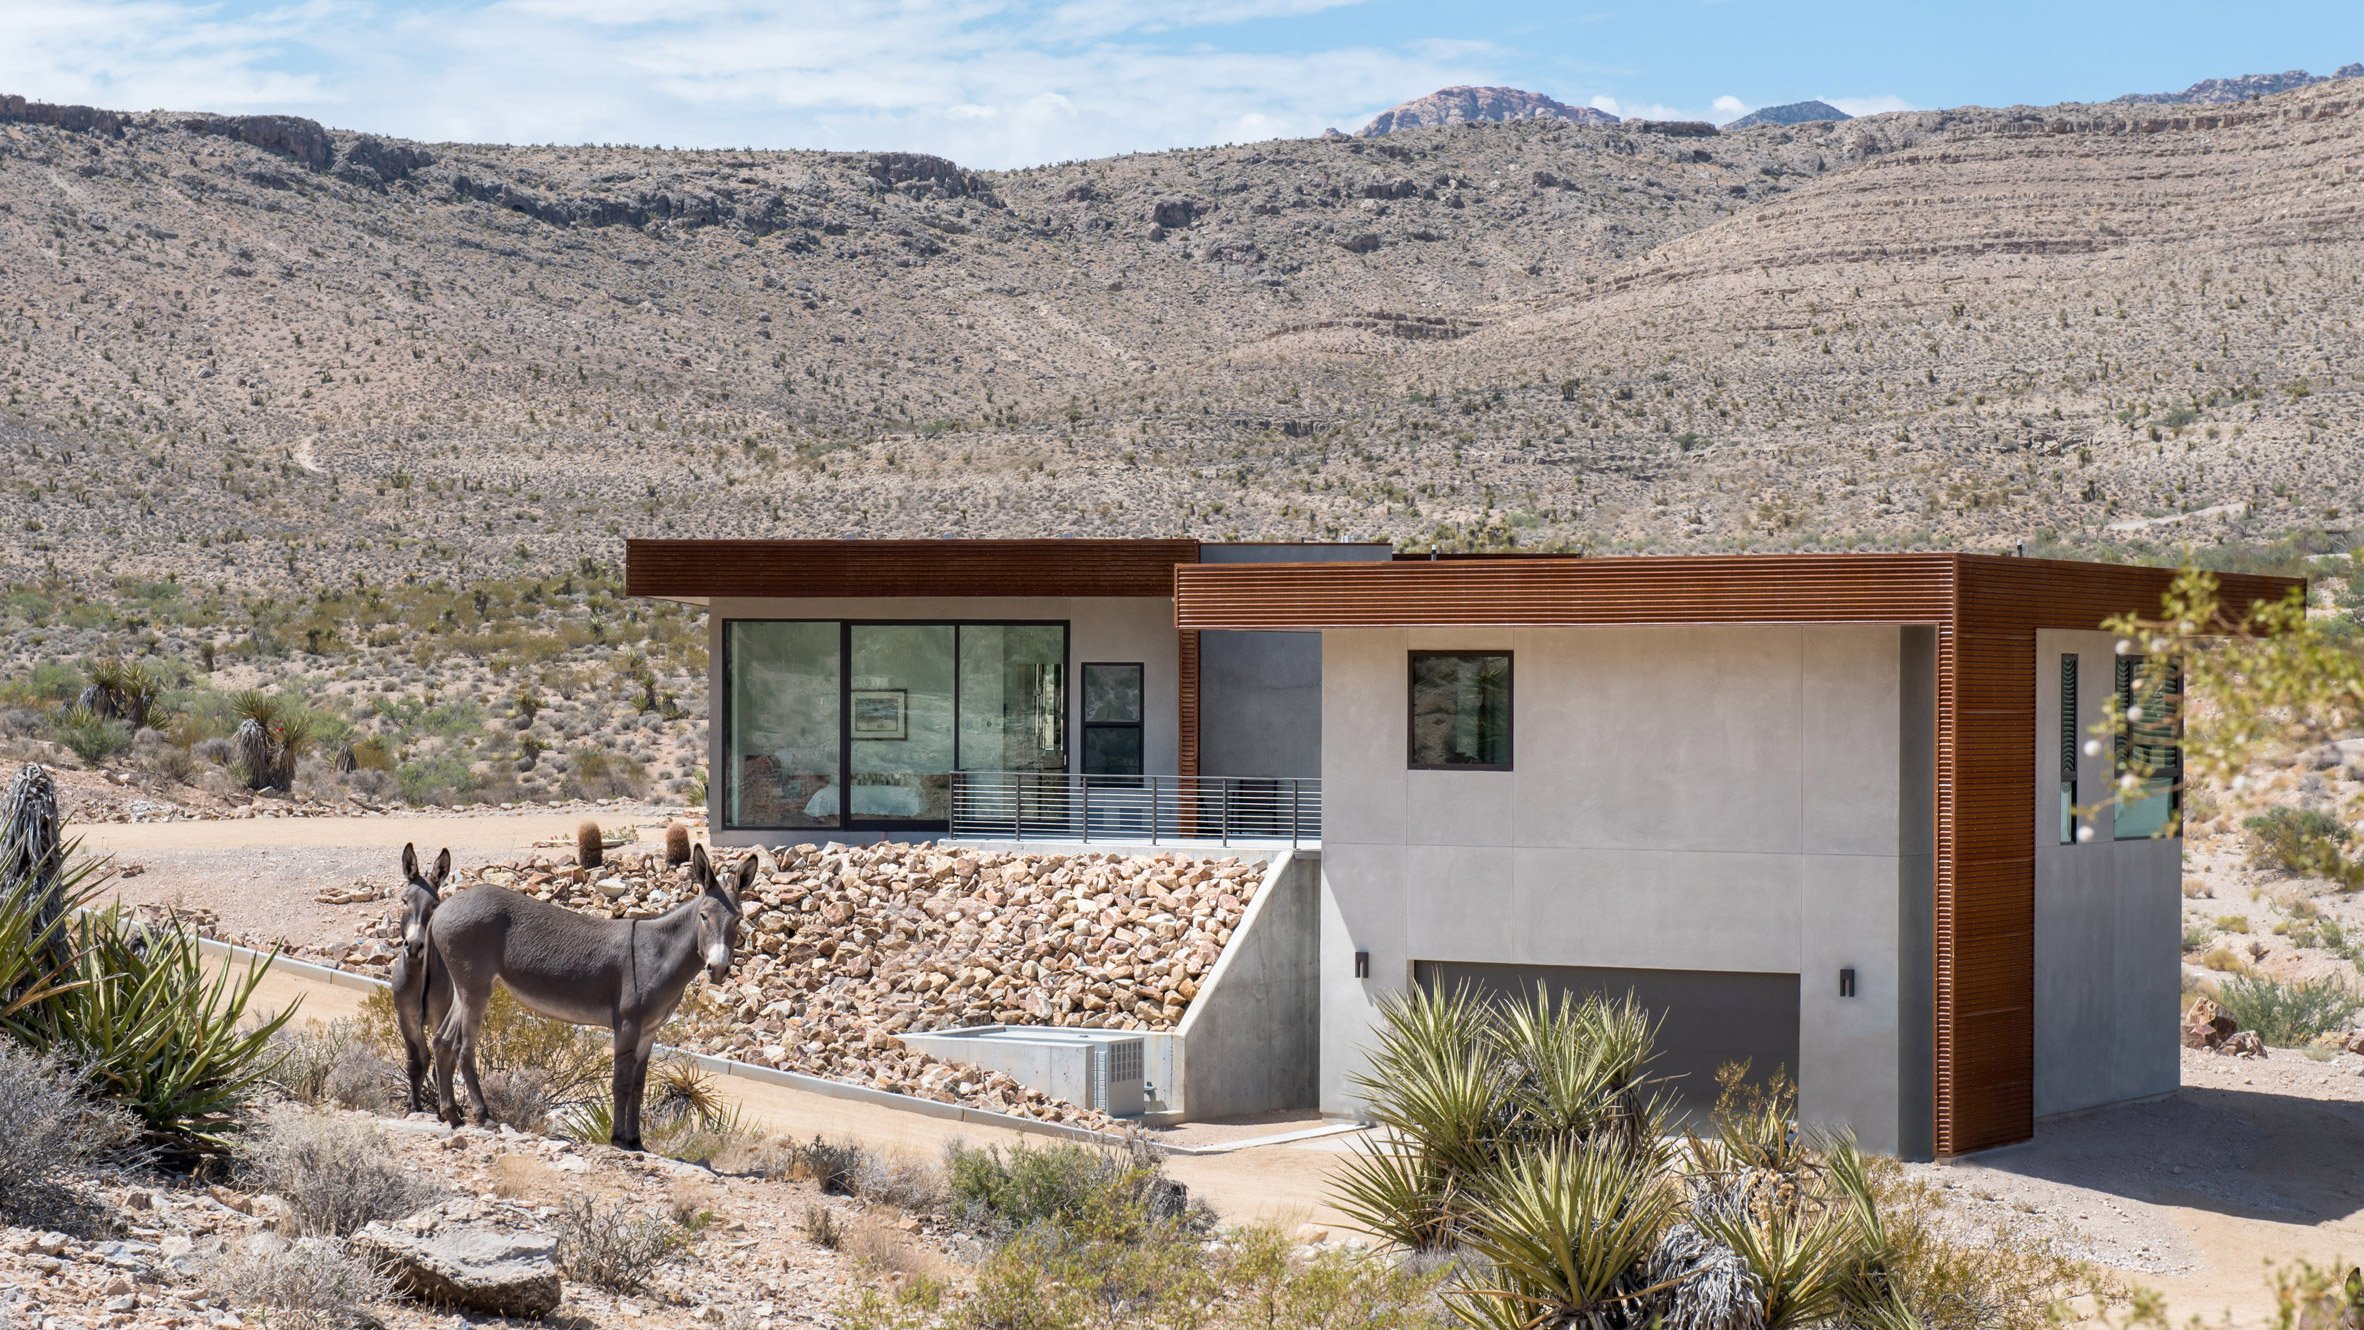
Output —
(879, 713)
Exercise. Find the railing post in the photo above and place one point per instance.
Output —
(1223, 813)
(1085, 780)
(1293, 806)
(1153, 810)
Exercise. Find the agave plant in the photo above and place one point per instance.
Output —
(158, 1030)
(1566, 1232)
(1443, 1100)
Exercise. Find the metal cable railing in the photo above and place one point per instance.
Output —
(1066, 805)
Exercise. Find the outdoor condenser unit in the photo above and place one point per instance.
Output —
(1102, 1069)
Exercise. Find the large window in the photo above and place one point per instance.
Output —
(781, 743)
(1460, 710)
(1112, 698)
(832, 724)
(2150, 748)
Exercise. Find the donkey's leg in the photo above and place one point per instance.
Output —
(407, 988)
(624, 1118)
(455, 1045)
(476, 1103)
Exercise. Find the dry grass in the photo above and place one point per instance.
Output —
(335, 1173)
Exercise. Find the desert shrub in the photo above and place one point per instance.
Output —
(997, 1192)
(335, 1173)
(334, 1065)
(2288, 1014)
(682, 1115)
(153, 1027)
(438, 778)
(49, 1128)
(308, 1284)
(599, 774)
(531, 1068)
(2298, 840)
(92, 737)
(613, 1245)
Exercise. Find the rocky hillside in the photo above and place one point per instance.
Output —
(2247, 87)
(1791, 113)
(255, 351)
(1465, 105)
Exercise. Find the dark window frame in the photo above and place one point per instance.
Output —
(845, 742)
(1412, 661)
(2072, 745)
(2125, 682)
(1085, 724)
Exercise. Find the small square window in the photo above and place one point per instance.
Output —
(1460, 711)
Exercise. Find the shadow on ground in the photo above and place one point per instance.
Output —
(2247, 1154)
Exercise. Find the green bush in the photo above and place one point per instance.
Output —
(2288, 1015)
(439, 778)
(2299, 840)
(999, 1193)
(93, 737)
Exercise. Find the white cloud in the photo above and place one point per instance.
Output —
(1879, 105)
(1729, 107)
(986, 82)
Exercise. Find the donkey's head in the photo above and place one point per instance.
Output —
(419, 897)
(721, 902)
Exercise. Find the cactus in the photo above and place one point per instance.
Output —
(677, 844)
(590, 847)
(122, 690)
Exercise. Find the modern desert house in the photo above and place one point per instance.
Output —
(1829, 813)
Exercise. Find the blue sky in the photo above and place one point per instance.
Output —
(1010, 83)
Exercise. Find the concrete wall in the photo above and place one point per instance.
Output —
(1260, 694)
(1699, 797)
(2109, 917)
(1251, 1040)
(1260, 704)
(1099, 629)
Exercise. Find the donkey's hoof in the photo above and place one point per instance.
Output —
(620, 1143)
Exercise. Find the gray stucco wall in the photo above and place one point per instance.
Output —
(1251, 1041)
(2109, 917)
(1260, 704)
(1696, 797)
(1118, 629)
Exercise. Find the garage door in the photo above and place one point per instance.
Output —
(1707, 1017)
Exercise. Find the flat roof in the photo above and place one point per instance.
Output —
(701, 570)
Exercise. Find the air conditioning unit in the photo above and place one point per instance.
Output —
(1116, 1076)
(1102, 1069)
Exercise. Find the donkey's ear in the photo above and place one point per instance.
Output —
(744, 881)
(701, 871)
(410, 861)
(442, 869)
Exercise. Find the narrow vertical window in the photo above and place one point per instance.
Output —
(2150, 748)
(2068, 749)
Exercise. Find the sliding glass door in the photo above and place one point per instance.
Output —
(895, 707)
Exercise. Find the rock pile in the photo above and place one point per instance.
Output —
(2206, 1026)
(848, 947)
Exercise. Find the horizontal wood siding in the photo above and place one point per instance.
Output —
(709, 569)
(1863, 588)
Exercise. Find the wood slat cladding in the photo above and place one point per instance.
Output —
(1783, 588)
(710, 569)
(1986, 610)
(1187, 654)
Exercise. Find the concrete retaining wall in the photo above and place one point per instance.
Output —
(1251, 1040)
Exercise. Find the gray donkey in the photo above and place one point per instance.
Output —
(625, 974)
(417, 977)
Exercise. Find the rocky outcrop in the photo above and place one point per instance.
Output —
(1467, 105)
(377, 163)
(2247, 87)
(2206, 1025)
(1792, 113)
(466, 1264)
(922, 176)
(74, 119)
(289, 136)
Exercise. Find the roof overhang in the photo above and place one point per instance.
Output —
(1944, 589)
(699, 571)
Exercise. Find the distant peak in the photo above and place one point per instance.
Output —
(1792, 113)
(2222, 92)
(1465, 105)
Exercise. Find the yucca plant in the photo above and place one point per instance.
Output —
(1443, 1101)
(1566, 1232)
(41, 883)
(125, 690)
(158, 1032)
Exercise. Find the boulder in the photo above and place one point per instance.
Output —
(2243, 1044)
(467, 1264)
(2206, 1025)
